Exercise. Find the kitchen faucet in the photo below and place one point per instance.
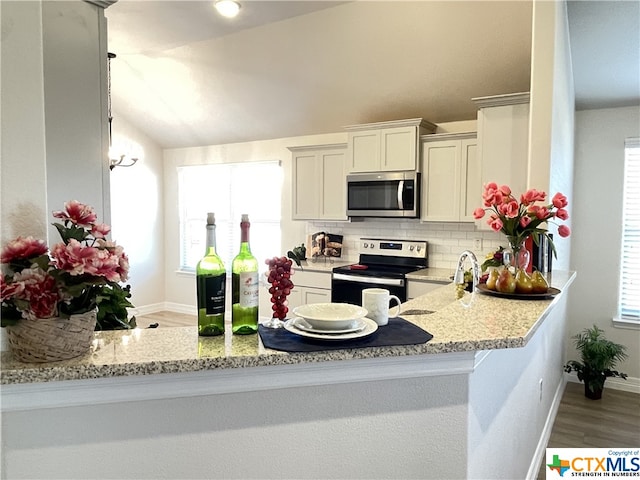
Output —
(459, 276)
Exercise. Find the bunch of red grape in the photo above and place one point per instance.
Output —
(279, 276)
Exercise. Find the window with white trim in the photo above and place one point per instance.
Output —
(630, 261)
(229, 190)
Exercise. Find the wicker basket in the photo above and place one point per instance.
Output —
(52, 339)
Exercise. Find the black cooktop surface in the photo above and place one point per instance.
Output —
(377, 270)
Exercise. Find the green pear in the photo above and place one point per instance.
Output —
(523, 282)
(492, 279)
(539, 283)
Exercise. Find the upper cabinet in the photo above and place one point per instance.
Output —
(503, 141)
(451, 183)
(319, 182)
(386, 146)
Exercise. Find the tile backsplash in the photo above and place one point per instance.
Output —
(446, 240)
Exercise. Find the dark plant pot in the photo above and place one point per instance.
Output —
(593, 395)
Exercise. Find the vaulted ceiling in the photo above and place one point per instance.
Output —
(188, 77)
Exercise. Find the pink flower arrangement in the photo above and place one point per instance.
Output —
(74, 277)
(519, 220)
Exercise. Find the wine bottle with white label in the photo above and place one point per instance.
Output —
(244, 285)
(210, 285)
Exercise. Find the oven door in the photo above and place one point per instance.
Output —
(347, 288)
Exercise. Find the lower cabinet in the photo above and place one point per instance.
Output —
(310, 287)
(415, 288)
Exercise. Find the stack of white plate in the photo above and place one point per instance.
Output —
(331, 321)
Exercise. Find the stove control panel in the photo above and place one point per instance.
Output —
(394, 248)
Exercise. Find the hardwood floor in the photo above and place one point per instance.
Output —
(613, 421)
(167, 319)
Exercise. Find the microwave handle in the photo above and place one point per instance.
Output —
(400, 194)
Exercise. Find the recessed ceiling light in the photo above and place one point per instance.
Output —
(227, 8)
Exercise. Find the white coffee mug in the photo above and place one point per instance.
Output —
(376, 301)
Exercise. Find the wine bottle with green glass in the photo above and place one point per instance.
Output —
(244, 285)
(210, 286)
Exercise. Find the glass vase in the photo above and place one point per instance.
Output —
(516, 256)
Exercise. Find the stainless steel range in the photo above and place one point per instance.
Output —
(383, 264)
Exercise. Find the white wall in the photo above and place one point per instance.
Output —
(597, 223)
(137, 194)
(511, 396)
(409, 428)
(22, 140)
(53, 99)
(551, 117)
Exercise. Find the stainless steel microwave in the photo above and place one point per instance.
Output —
(384, 194)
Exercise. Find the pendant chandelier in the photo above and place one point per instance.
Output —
(116, 159)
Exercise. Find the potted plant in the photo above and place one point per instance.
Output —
(599, 357)
(53, 300)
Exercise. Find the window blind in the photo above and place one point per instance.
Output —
(229, 190)
(630, 262)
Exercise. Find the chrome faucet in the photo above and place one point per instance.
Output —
(459, 276)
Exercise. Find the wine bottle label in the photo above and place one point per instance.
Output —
(211, 294)
(248, 289)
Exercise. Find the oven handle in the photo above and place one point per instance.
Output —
(399, 282)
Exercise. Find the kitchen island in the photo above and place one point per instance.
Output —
(227, 407)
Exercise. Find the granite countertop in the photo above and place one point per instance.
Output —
(475, 322)
(322, 264)
(431, 275)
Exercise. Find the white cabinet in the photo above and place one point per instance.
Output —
(309, 287)
(451, 185)
(415, 288)
(386, 146)
(319, 182)
(503, 142)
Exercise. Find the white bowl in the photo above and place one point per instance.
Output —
(330, 316)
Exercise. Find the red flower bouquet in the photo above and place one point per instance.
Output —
(518, 220)
(80, 273)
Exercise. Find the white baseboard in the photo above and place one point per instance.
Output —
(163, 307)
(631, 384)
(541, 448)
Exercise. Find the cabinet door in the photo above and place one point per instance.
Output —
(504, 139)
(503, 144)
(440, 181)
(471, 184)
(398, 148)
(294, 299)
(305, 295)
(417, 288)
(364, 151)
(333, 188)
(306, 191)
(315, 295)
